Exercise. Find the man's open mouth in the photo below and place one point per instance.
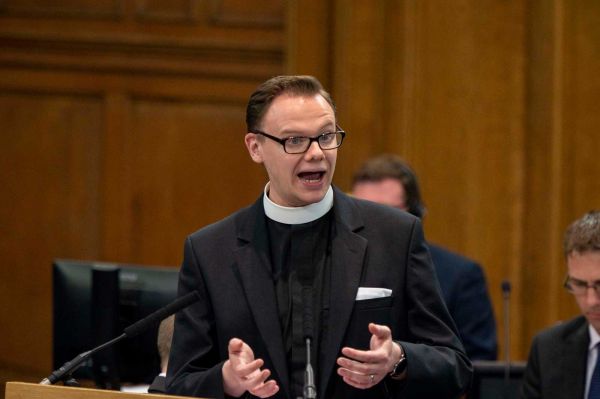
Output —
(311, 177)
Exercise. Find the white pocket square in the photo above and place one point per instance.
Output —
(372, 292)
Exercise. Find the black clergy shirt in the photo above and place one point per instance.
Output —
(294, 246)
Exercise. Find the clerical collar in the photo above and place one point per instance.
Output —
(297, 215)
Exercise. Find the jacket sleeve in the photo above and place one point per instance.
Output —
(437, 365)
(194, 364)
(531, 387)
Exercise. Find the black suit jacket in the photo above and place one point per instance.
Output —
(372, 246)
(158, 385)
(466, 296)
(557, 362)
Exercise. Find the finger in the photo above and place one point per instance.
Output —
(356, 380)
(370, 356)
(256, 377)
(247, 370)
(380, 331)
(266, 389)
(354, 366)
(235, 346)
(239, 352)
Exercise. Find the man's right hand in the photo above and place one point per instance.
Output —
(241, 372)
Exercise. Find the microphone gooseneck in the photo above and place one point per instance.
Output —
(305, 277)
(136, 328)
(506, 288)
(69, 367)
(309, 390)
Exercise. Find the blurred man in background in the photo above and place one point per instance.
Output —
(564, 362)
(389, 180)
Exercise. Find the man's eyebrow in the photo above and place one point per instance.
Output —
(326, 128)
(576, 280)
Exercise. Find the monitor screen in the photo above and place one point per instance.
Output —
(94, 302)
(493, 380)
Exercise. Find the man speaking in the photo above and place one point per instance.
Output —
(307, 261)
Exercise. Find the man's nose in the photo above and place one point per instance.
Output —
(592, 296)
(314, 151)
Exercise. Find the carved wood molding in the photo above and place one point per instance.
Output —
(107, 9)
(212, 57)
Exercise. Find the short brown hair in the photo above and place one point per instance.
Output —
(393, 167)
(583, 235)
(263, 96)
(165, 336)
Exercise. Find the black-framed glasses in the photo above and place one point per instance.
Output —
(580, 287)
(301, 144)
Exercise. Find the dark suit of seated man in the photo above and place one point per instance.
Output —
(564, 362)
(389, 180)
(307, 261)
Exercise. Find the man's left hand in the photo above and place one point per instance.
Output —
(365, 369)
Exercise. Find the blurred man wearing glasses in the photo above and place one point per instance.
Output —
(564, 361)
(307, 261)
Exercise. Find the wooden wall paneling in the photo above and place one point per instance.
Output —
(178, 11)
(358, 82)
(443, 86)
(236, 13)
(542, 44)
(124, 106)
(466, 134)
(189, 168)
(65, 8)
(550, 110)
(201, 47)
(581, 140)
(400, 70)
(50, 171)
(563, 87)
(309, 42)
(168, 86)
(584, 120)
(118, 57)
(117, 179)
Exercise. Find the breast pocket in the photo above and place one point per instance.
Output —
(376, 310)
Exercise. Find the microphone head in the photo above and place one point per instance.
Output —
(506, 287)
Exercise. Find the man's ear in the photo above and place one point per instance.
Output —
(254, 148)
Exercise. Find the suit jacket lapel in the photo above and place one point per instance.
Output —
(575, 352)
(347, 253)
(253, 263)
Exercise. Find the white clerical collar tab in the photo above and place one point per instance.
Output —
(297, 215)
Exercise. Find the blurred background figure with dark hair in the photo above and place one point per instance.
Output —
(389, 180)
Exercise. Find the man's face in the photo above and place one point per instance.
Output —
(586, 267)
(296, 179)
(388, 191)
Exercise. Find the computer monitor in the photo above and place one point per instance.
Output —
(493, 380)
(94, 302)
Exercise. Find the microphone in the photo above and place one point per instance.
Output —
(305, 277)
(309, 390)
(506, 288)
(135, 329)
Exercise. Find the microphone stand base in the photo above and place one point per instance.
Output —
(71, 382)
